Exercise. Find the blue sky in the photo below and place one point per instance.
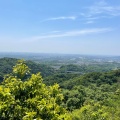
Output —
(60, 26)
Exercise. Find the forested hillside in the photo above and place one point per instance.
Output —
(25, 95)
(6, 65)
(92, 96)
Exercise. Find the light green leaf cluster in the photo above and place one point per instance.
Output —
(97, 111)
(30, 99)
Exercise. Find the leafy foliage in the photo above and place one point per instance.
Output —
(91, 96)
(6, 65)
(29, 99)
(99, 111)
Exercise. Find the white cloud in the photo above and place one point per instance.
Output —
(60, 18)
(103, 8)
(100, 10)
(68, 34)
(89, 22)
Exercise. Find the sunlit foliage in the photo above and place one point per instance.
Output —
(30, 98)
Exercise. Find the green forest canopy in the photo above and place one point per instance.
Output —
(27, 99)
(92, 96)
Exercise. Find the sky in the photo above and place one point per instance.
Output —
(60, 26)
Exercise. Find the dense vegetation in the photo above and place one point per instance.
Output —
(29, 98)
(95, 96)
(51, 70)
(104, 67)
(6, 65)
(88, 96)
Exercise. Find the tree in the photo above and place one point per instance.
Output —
(29, 99)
